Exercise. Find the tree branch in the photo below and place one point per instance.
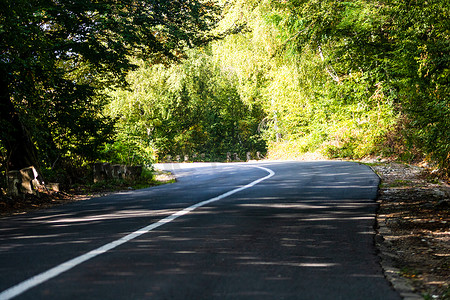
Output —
(329, 68)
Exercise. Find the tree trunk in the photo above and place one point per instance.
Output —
(20, 150)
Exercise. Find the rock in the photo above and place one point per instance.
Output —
(445, 203)
(106, 171)
(29, 180)
(439, 193)
(23, 181)
(133, 172)
(118, 171)
(100, 173)
(14, 182)
(53, 186)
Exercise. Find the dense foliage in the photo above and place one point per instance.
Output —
(390, 53)
(190, 109)
(347, 79)
(343, 78)
(57, 56)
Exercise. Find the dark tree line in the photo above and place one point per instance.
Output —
(55, 57)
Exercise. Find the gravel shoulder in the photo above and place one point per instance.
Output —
(413, 230)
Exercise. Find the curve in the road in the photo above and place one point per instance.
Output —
(53, 272)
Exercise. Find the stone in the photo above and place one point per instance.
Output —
(133, 172)
(14, 182)
(23, 181)
(99, 174)
(29, 183)
(106, 171)
(53, 186)
(118, 171)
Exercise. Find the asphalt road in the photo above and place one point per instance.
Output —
(282, 230)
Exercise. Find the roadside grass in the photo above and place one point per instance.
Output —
(149, 177)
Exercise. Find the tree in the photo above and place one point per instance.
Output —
(400, 48)
(419, 31)
(184, 109)
(57, 54)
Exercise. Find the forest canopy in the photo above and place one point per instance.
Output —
(135, 81)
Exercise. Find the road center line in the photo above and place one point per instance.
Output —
(53, 272)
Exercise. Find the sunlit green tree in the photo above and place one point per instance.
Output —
(186, 109)
(347, 78)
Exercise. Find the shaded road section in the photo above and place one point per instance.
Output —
(304, 233)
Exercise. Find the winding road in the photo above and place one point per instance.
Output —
(270, 230)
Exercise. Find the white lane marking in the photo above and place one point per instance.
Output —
(45, 276)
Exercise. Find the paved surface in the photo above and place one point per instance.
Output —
(295, 230)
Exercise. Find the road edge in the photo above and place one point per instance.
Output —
(387, 258)
(55, 271)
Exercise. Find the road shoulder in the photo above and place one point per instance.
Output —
(413, 236)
